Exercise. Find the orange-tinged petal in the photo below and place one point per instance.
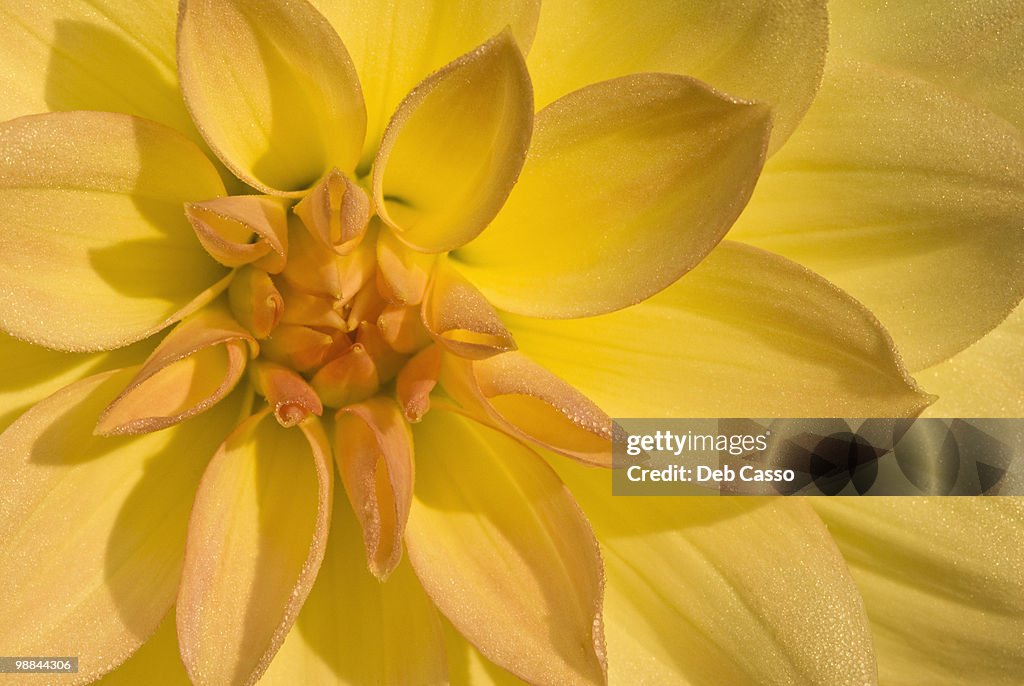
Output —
(469, 124)
(629, 184)
(402, 328)
(416, 380)
(404, 271)
(745, 334)
(386, 359)
(348, 378)
(299, 347)
(354, 629)
(192, 369)
(256, 538)
(323, 272)
(461, 319)
(336, 211)
(271, 88)
(313, 310)
(255, 301)
(113, 512)
(227, 226)
(720, 590)
(97, 251)
(943, 583)
(526, 400)
(501, 547)
(374, 451)
(397, 43)
(770, 51)
(906, 196)
(289, 395)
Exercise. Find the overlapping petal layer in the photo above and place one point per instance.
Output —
(770, 51)
(629, 183)
(256, 538)
(102, 55)
(907, 196)
(943, 582)
(971, 48)
(525, 400)
(193, 368)
(746, 333)
(97, 250)
(355, 630)
(467, 666)
(31, 373)
(113, 510)
(708, 591)
(997, 359)
(503, 550)
(272, 90)
(395, 44)
(156, 663)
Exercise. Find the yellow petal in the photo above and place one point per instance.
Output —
(114, 514)
(397, 43)
(986, 380)
(745, 334)
(104, 55)
(972, 49)
(466, 666)
(943, 582)
(256, 538)
(192, 369)
(906, 196)
(31, 373)
(156, 663)
(629, 184)
(526, 400)
(272, 90)
(505, 553)
(719, 590)
(97, 250)
(460, 318)
(771, 51)
(469, 124)
(227, 226)
(374, 450)
(354, 629)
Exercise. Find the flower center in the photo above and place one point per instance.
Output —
(336, 317)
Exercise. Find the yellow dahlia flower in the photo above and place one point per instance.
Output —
(425, 251)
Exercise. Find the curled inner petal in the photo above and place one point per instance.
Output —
(197, 365)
